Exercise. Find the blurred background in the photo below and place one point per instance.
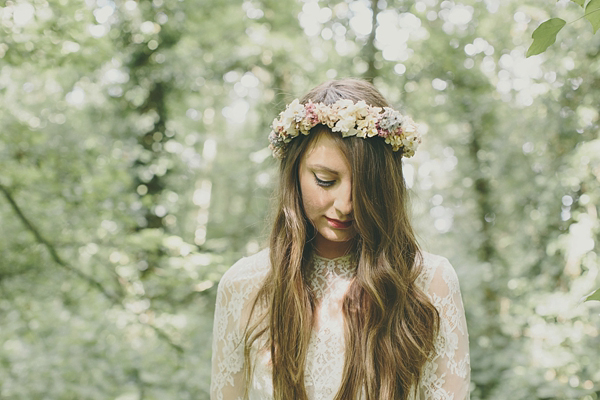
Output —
(134, 171)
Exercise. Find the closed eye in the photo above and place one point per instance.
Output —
(323, 183)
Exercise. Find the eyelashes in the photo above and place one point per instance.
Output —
(323, 183)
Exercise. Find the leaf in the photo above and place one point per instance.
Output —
(594, 296)
(580, 2)
(592, 14)
(545, 35)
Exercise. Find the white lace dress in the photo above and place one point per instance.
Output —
(446, 374)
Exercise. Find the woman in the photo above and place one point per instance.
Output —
(343, 305)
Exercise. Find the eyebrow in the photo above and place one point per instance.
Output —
(324, 168)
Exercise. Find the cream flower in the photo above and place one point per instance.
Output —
(305, 126)
(326, 115)
(395, 141)
(367, 126)
(343, 103)
(294, 111)
(350, 119)
(360, 110)
(289, 119)
(408, 125)
(345, 125)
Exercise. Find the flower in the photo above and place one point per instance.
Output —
(390, 120)
(346, 126)
(350, 119)
(368, 125)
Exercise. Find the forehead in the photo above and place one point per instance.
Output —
(326, 152)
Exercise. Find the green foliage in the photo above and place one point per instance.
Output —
(594, 296)
(545, 35)
(592, 14)
(134, 171)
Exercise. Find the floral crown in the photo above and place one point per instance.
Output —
(351, 119)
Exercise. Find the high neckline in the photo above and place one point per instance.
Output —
(335, 259)
(343, 266)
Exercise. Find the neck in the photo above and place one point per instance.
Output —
(328, 249)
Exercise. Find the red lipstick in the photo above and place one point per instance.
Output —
(337, 224)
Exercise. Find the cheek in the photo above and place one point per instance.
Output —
(313, 200)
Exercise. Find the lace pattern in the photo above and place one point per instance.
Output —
(446, 375)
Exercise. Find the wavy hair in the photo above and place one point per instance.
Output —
(390, 323)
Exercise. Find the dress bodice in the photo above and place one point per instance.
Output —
(329, 280)
(446, 375)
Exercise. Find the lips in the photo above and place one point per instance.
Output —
(337, 224)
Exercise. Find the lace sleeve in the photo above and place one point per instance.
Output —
(235, 294)
(227, 376)
(447, 373)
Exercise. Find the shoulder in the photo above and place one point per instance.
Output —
(437, 275)
(246, 273)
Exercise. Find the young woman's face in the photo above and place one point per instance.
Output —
(326, 185)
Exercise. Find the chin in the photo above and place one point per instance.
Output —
(334, 236)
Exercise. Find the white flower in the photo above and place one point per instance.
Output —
(351, 132)
(361, 109)
(295, 111)
(390, 119)
(408, 125)
(288, 119)
(278, 125)
(350, 115)
(343, 103)
(344, 125)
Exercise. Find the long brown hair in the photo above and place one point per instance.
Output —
(390, 324)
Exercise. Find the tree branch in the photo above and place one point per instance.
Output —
(91, 281)
(52, 250)
(163, 335)
(370, 50)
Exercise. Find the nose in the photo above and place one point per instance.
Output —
(343, 201)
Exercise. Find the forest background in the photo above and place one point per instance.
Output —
(134, 171)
